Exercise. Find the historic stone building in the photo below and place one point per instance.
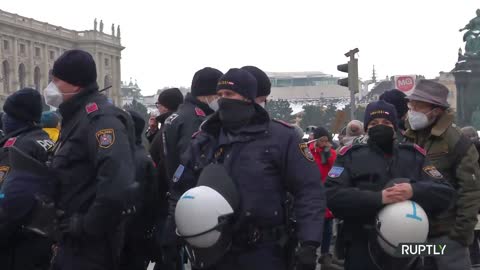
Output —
(28, 49)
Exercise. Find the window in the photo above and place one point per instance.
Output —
(107, 62)
(6, 46)
(52, 55)
(37, 52)
(22, 48)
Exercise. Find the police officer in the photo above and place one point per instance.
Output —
(93, 162)
(167, 103)
(430, 125)
(23, 249)
(397, 99)
(179, 128)
(137, 251)
(265, 159)
(357, 185)
(264, 86)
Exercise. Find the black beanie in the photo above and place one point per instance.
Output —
(24, 105)
(240, 81)
(76, 67)
(171, 98)
(321, 132)
(397, 99)
(264, 85)
(139, 123)
(380, 109)
(204, 82)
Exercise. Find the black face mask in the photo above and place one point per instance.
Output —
(234, 113)
(382, 136)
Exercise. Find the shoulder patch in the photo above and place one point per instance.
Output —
(10, 142)
(283, 123)
(344, 150)
(178, 173)
(420, 149)
(433, 172)
(91, 107)
(105, 138)
(3, 172)
(335, 172)
(306, 152)
(171, 118)
(199, 112)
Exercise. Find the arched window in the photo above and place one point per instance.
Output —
(37, 78)
(6, 76)
(21, 75)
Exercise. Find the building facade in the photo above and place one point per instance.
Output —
(305, 86)
(28, 49)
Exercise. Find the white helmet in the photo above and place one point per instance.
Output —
(199, 215)
(403, 222)
(205, 216)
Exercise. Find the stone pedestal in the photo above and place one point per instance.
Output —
(467, 80)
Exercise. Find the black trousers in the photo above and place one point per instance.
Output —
(85, 254)
(32, 252)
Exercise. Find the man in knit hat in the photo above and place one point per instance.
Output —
(264, 86)
(94, 163)
(201, 102)
(353, 130)
(430, 125)
(360, 184)
(21, 118)
(251, 146)
(168, 102)
(398, 99)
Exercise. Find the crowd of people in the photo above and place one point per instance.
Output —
(221, 185)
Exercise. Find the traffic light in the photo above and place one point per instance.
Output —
(352, 69)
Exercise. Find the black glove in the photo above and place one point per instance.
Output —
(307, 256)
(72, 226)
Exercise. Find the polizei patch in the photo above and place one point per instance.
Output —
(3, 172)
(105, 138)
(432, 171)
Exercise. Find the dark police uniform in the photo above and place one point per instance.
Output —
(20, 249)
(179, 128)
(265, 159)
(354, 191)
(95, 168)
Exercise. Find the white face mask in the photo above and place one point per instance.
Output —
(263, 104)
(418, 120)
(53, 97)
(213, 104)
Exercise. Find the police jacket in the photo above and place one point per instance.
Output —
(355, 183)
(179, 128)
(20, 187)
(265, 159)
(94, 160)
(147, 200)
(157, 152)
(457, 159)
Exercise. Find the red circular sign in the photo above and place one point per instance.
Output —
(405, 83)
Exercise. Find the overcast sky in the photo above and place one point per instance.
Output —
(167, 41)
